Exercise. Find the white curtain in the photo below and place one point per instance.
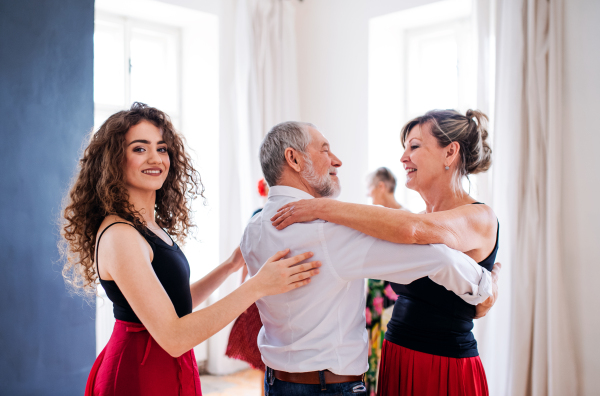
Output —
(264, 93)
(493, 331)
(536, 358)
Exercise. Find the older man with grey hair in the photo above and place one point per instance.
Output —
(313, 339)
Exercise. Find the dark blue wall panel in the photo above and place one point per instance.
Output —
(47, 337)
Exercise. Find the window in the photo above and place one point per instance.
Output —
(439, 68)
(135, 61)
(419, 59)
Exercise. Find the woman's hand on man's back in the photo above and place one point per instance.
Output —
(280, 275)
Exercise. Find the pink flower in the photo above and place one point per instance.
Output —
(389, 292)
(368, 315)
(378, 304)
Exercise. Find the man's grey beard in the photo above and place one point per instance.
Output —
(323, 185)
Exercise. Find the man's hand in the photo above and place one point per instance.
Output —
(482, 309)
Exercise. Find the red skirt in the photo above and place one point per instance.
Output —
(243, 344)
(133, 364)
(404, 372)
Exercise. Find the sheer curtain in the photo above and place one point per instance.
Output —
(265, 92)
(493, 331)
(536, 357)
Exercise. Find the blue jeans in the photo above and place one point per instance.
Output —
(281, 388)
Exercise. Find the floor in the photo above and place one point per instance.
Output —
(243, 383)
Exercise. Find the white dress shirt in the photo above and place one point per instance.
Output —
(321, 326)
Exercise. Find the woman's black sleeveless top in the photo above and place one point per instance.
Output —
(431, 319)
(172, 270)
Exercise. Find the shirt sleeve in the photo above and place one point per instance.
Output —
(355, 255)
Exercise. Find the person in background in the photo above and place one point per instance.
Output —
(429, 349)
(380, 296)
(131, 193)
(382, 185)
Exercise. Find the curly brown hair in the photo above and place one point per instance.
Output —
(98, 190)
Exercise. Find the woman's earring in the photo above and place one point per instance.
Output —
(447, 167)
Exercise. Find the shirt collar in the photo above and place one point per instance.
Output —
(289, 192)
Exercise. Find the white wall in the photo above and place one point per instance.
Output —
(332, 39)
(581, 211)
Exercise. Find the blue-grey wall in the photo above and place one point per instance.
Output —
(47, 337)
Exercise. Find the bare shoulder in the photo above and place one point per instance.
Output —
(480, 213)
(113, 226)
(482, 220)
(485, 215)
(120, 243)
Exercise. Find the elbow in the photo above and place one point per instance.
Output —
(178, 346)
(172, 344)
(176, 353)
(173, 349)
(426, 232)
(170, 347)
(409, 233)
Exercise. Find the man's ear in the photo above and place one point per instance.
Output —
(294, 159)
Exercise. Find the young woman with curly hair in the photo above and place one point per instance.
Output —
(132, 193)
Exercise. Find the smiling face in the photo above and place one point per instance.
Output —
(146, 158)
(320, 170)
(423, 159)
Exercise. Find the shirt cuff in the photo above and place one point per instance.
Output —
(483, 291)
(485, 285)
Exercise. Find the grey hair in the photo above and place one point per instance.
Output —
(384, 175)
(292, 134)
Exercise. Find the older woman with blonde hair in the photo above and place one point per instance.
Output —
(429, 348)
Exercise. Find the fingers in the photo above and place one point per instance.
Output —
(280, 211)
(303, 276)
(296, 285)
(306, 267)
(496, 271)
(279, 255)
(290, 262)
(276, 216)
(288, 221)
(280, 218)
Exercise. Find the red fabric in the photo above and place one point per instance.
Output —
(243, 343)
(263, 189)
(404, 372)
(133, 364)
